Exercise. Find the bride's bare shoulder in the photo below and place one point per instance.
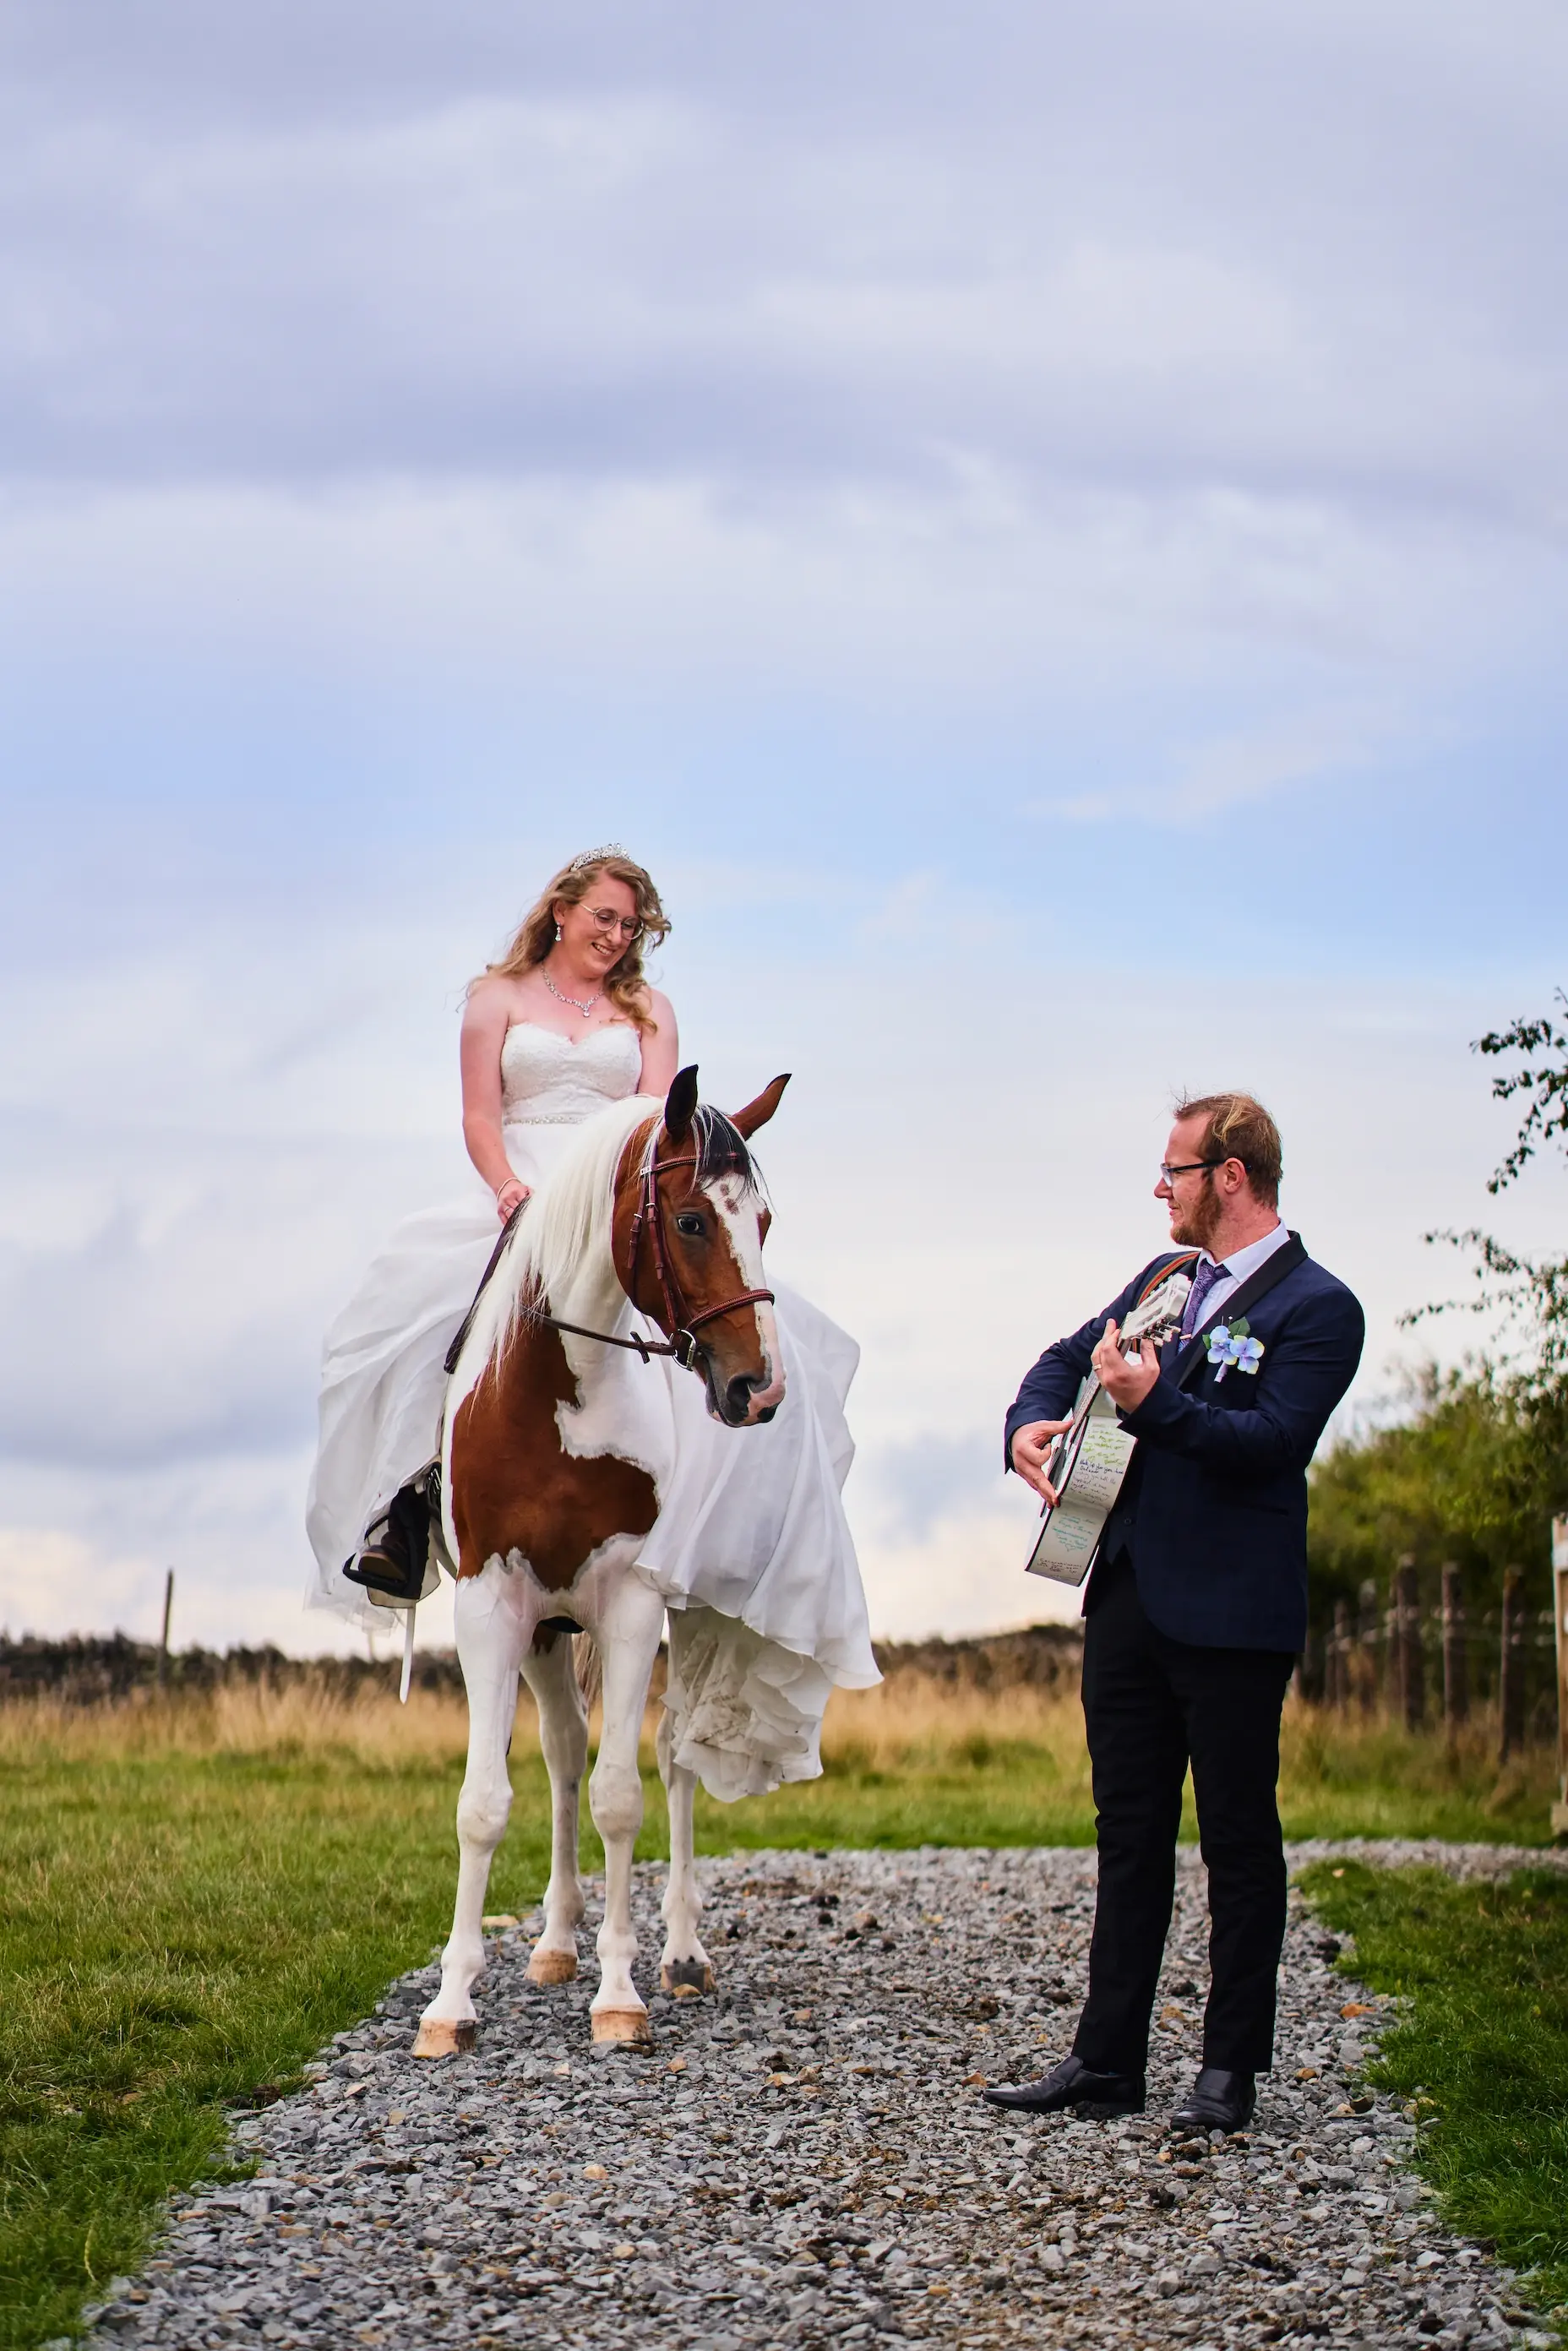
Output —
(658, 1008)
(492, 1000)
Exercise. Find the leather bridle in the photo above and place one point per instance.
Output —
(681, 1325)
(682, 1343)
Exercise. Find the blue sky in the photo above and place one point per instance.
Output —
(1047, 534)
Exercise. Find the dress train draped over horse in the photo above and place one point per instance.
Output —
(750, 1551)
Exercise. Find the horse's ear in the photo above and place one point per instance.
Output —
(758, 1113)
(679, 1104)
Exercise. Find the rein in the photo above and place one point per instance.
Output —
(682, 1345)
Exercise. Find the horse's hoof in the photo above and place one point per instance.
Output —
(688, 1978)
(628, 2026)
(551, 1966)
(439, 2037)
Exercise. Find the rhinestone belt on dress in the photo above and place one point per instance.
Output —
(548, 1118)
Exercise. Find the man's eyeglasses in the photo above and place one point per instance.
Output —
(606, 919)
(1189, 1167)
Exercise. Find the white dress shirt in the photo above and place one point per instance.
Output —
(1238, 1267)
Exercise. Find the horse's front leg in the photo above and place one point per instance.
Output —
(628, 1635)
(684, 1966)
(563, 1738)
(490, 1644)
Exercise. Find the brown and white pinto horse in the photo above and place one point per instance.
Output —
(550, 1487)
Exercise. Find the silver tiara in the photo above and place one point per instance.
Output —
(596, 856)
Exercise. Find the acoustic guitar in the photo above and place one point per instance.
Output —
(1088, 1462)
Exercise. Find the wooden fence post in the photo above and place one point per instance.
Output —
(1560, 1637)
(163, 1643)
(1367, 1674)
(1456, 1657)
(1409, 1677)
(1337, 1678)
(1511, 1667)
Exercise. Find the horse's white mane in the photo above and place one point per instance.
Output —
(564, 1233)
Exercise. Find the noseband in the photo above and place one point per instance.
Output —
(682, 1343)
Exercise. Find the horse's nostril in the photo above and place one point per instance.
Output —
(738, 1396)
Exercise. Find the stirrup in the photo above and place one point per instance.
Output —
(395, 1563)
(379, 1571)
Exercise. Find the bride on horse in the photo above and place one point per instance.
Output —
(748, 1547)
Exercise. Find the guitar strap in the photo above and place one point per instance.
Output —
(1272, 1270)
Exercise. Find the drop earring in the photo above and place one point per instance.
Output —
(558, 934)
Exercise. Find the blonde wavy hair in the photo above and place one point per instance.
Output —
(626, 986)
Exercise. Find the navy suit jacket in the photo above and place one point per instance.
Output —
(1214, 1508)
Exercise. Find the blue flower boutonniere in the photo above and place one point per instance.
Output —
(1232, 1343)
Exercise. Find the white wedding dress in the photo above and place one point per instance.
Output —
(751, 1549)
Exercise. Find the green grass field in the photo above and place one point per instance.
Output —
(177, 1932)
(1485, 2042)
(196, 1899)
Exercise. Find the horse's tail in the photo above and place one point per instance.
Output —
(590, 1667)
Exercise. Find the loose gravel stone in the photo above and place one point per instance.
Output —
(804, 2159)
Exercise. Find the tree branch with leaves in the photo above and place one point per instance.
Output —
(1547, 1088)
(1529, 1291)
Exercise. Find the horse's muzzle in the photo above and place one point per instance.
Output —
(737, 1407)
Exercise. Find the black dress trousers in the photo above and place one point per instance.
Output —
(1151, 1705)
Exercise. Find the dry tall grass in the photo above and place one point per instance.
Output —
(913, 1729)
(911, 1720)
(249, 1719)
(914, 1720)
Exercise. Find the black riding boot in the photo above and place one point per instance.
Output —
(395, 1559)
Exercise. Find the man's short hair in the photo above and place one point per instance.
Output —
(1238, 1127)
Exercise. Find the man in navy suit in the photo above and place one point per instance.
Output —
(1196, 1603)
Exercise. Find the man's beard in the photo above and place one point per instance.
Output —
(1197, 1226)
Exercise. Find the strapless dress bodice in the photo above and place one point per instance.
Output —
(549, 1081)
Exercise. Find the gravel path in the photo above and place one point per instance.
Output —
(805, 2158)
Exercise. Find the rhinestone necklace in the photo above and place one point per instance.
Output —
(576, 1002)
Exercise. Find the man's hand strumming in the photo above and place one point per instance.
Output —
(1032, 1444)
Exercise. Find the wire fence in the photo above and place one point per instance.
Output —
(1392, 1653)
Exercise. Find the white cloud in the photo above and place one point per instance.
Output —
(1134, 254)
(937, 601)
(1235, 770)
(53, 1584)
(964, 1576)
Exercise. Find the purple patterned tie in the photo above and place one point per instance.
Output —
(1203, 1282)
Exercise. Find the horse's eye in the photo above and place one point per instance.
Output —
(691, 1225)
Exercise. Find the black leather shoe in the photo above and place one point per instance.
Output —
(1218, 2100)
(1073, 2084)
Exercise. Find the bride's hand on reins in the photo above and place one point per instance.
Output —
(1031, 1444)
(511, 1196)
